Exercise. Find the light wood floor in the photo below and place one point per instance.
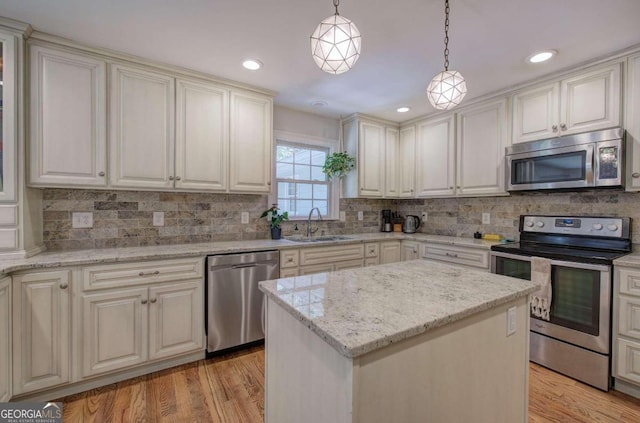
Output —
(231, 389)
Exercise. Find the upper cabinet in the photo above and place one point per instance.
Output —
(67, 142)
(406, 162)
(585, 101)
(632, 123)
(9, 115)
(435, 157)
(392, 168)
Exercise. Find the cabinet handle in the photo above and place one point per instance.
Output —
(178, 178)
(64, 285)
(290, 260)
(153, 300)
(101, 173)
(143, 301)
(171, 178)
(635, 175)
(563, 127)
(411, 190)
(157, 272)
(554, 128)
(451, 254)
(458, 187)
(268, 182)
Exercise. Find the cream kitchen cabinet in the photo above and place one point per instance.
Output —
(141, 141)
(584, 101)
(481, 138)
(455, 254)
(370, 140)
(632, 123)
(251, 142)
(11, 44)
(626, 329)
(371, 253)
(435, 157)
(318, 259)
(41, 334)
(406, 162)
(410, 250)
(67, 143)
(5, 339)
(160, 313)
(390, 252)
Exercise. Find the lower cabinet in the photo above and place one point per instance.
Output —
(5, 339)
(410, 250)
(390, 252)
(41, 335)
(626, 330)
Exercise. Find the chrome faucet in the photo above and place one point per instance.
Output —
(309, 231)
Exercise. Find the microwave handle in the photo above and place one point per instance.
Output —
(591, 165)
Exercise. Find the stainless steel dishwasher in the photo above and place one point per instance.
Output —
(235, 305)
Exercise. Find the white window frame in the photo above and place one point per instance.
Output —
(334, 184)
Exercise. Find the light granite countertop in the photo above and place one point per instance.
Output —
(631, 260)
(157, 252)
(361, 310)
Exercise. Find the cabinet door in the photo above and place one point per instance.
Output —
(410, 250)
(482, 138)
(40, 330)
(251, 142)
(5, 339)
(627, 361)
(371, 150)
(632, 124)
(535, 113)
(10, 121)
(351, 264)
(316, 268)
(141, 140)
(390, 252)
(392, 150)
(114, 329)
(435, 158)
(202, 136)
(590, 100)
(176, 319)
(67, 144)
(406, 162)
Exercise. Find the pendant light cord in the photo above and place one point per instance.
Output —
(446, 33)
(337, 2)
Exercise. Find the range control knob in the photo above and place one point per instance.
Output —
(540, 224)
(612, 228)
(529, 223)
(597, 226)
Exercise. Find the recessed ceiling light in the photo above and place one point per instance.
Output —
(252, 64)
(541, 56)
(319, 103)
(403, 109)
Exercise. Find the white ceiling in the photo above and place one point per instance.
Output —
(402, 42)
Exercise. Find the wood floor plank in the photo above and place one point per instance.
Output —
(230, 389)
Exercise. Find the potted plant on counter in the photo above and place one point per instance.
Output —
(338, 164)
(275, 218)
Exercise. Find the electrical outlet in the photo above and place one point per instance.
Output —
(425, 216)
(82, 220)
(360, 215)
(244, 217)
(486, 218)
(158, 218)
(343, 216)
(511, 321)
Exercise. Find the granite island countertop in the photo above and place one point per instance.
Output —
(158, 252)
(361, 310)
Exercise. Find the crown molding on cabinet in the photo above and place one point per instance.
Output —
(12, 25)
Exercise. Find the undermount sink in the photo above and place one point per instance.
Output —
(318, 238)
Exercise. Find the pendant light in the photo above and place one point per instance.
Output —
(335, 44)
(447, 89)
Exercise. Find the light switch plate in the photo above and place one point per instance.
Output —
(360, 215)
(343, 216)
(158, 218)
(486, 218)
(244, 217)
(511, 321)
(82, 220)
(425, 216)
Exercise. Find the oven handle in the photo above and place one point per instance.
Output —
(563, 263)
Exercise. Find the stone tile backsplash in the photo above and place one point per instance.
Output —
(125, 218)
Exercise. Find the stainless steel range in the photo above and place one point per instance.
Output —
(576, 340)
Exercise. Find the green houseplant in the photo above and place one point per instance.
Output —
(338, 164)
(275, 219)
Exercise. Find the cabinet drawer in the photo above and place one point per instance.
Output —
(629, 281)
(288, 273)
(128, 274)
(629, 317)
(627, 361)
(371, 261)
(351, 264)
(316, 268)
(459, 255)
(289, 258)
(371, 249)
(321, 255)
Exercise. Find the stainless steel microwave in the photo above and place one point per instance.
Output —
(589, 160)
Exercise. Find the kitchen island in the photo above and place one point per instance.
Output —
(406, 342)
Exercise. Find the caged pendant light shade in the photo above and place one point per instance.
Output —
(336, 43)
(447, 89)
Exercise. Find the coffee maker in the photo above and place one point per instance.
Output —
(387, 224)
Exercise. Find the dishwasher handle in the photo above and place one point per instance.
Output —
(240, 266)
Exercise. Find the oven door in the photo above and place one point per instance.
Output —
(580, 304)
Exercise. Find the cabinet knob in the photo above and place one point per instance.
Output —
(554, 128)
(458, 187)
(153, 300)
(64, 285)
(563, 126)
(178, 178)
(143, 301)
(101, 173)
(411, 190)
(450, 187)
(268, 182)
(635, 175)
(290, 260)
(171, 178)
